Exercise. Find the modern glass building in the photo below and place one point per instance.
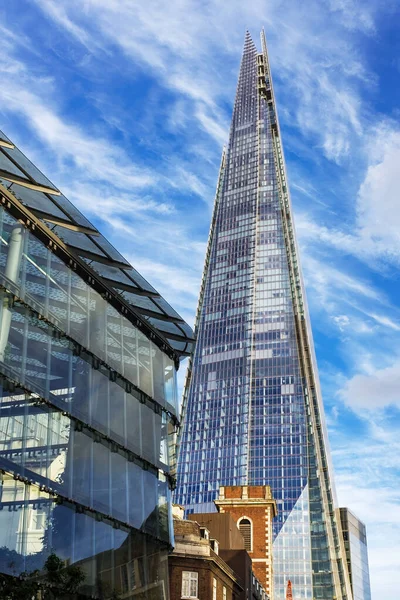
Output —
(355, 541)
(253, 413)
(88, 407)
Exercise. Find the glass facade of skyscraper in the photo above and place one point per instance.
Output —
(355, 541)
(253, 415)
(88, 404)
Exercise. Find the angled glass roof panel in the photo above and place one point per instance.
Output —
(29, 167)
(140, 301)
(78, 240)
(33, 199)
(165, 326)
(73, 212)
(163, 304)
(182, 346)
(7, 165)
(113, 274)
(141, 281)
(46, 204)
(4, 137)
(111, 251)
(187, 330)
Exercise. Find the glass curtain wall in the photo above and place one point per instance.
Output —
(87, 422)
(355, 542)
(214, 446)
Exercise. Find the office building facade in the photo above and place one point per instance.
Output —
(355, 542)
(253, 413)
(88, 410)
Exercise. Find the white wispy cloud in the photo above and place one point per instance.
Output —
(385, 320)
(68, 142)
(187, 45)
(147, 175)
(378, 199)
(334, 286)
(355, 15)
(366, 475)
(374, 234)
(376, 389)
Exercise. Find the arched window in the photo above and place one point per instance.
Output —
(246, 529)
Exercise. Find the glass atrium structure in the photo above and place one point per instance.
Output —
(88, 407)
(253, 413)
(355, 541)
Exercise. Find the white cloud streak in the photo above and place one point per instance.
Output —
(187, 44)
(377, 389)
(190, 52)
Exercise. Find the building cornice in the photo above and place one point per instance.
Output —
(248, 503)
(212, 558)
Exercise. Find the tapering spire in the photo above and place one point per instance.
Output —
(254, 413)
(248, 41)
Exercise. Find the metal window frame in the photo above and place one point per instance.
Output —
(44, 234)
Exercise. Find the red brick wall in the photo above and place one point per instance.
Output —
(258, 517)
(253, 491)
(261, 517)
(256, 491)
(175, 578)
(207, 570)
(233, 491)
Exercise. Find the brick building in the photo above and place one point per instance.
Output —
(198, 569)
(253, 509)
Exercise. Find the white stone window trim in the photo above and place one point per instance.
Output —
(190, 585)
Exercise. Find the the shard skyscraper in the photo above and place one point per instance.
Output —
(252, 403)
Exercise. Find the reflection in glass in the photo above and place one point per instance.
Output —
(35, 525)
(248, 416)
(84, 455)
(57, 293)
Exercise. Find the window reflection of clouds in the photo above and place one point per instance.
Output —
(89, 456)
(246, 415)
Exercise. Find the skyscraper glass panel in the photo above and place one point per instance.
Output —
(253, 413)
(355, 542)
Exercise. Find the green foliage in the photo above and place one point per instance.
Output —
(54, 582)
(13, 588)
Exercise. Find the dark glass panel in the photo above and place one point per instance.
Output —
(119, 486)
(7, 165)
(136, 499)
(28, 167)
(151, 438)
(118, 417)
(137, 424)
(113, 273)
(140, 301)
(163, 304)
(111, 252)
(73, 212)
(78, 240)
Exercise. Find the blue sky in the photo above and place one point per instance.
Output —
(126, 105)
